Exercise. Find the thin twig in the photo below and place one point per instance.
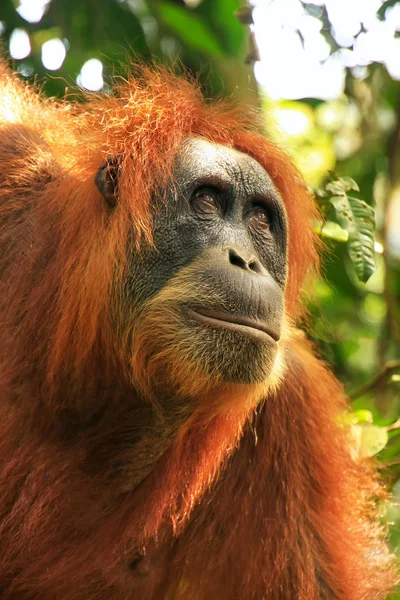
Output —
(393, 426)
(390, 367)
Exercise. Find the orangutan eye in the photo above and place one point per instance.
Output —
(206, 200)
(259, 218)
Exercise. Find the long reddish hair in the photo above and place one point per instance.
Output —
(265, 504)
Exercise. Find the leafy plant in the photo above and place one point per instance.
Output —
(356, 221)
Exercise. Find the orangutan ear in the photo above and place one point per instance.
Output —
(106, 180)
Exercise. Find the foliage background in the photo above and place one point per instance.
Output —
(355, 325)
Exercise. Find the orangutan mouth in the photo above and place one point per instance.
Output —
(249, 327)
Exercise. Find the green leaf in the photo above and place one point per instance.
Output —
(364, 416)
(230, 33)
(342, 185)
(333, 231)
(357, 217)
(370, 439)
(358, 417)
(191, 29)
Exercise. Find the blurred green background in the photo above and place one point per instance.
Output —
(327, 75)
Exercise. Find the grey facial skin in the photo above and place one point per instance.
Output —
(223, 216)
(182, 231)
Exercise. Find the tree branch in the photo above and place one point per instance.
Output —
(391, 367)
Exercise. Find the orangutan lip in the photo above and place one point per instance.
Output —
(235, 323)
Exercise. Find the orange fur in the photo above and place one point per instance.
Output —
(249, 502)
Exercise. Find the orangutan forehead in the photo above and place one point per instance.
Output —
(201, 159)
